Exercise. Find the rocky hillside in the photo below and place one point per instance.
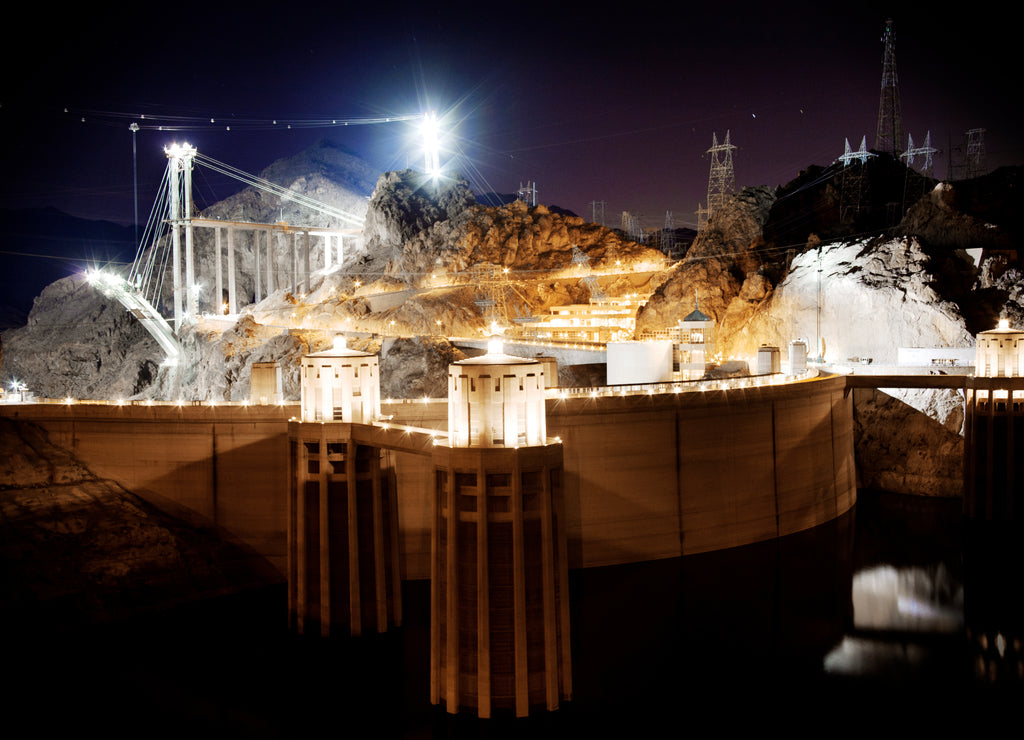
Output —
(911, 286)
(82, 344)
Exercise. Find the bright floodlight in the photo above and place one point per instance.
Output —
(431, 146)
(180, 151)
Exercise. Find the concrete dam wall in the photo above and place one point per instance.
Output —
(645, 476)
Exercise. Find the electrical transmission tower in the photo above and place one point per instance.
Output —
(596, 207)
(631, 226)
(500, 301)
(915, 187)
(721, 180)
(926, 151)
(527, 194)
(582, 260)
(854, 182)
(975, 164)
(668, 239)
(890, 119)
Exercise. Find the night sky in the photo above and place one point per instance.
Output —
(592, 104)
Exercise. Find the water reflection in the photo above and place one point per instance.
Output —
(888, 603)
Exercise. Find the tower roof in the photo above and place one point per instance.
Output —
(697, 315)
(496, 356)
(340, 349)
(1003, 329)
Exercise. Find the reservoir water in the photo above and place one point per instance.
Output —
(893, 615)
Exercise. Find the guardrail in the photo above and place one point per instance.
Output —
(679, 386)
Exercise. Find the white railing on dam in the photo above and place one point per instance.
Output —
(604, 391)
(680, 386)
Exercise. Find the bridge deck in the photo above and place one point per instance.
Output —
(280, 226)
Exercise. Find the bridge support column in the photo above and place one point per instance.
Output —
(327, 251)
(175, 217)
(256, 270)
(270, 262)
(218, 304)
(192, 292)
(232, 286)
(295, 264)
(305, 259)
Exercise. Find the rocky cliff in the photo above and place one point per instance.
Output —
(82, 344)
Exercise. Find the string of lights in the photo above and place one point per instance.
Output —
(230, 122)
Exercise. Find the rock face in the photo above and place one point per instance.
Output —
(724, 272)
(417, 367)
(414, 231)
(216, 363)
(82, 344)
(910, 440)
(80, 550)
(983, 213)
(875, 296)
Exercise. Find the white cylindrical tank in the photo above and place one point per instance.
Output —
(769, 360)
(639, 362)
(340, 384)
(797, 356)
(496, 400)
(1000, 352)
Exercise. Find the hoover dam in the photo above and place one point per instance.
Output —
(647, 475)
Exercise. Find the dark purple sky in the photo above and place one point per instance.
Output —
(592, 104)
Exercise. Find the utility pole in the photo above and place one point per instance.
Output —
(134, 128)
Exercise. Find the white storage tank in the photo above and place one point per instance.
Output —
(769, 360)
(340, 384)
(1000, 352)
(797, 356)
(639, 362)
(496, 400)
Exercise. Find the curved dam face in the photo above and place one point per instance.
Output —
(645, 477)
(650, 477)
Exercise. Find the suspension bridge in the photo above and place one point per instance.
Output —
(168, 246)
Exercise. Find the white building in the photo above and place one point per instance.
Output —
(340, 384)
(496, 400)
(640, 362)
(1000, 352)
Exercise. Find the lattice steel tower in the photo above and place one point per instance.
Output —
(721, 179)
(974, 166)
(890, 119)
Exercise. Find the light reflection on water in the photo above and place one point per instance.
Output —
(904, 598)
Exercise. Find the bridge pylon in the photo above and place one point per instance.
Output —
(180, 158)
